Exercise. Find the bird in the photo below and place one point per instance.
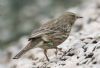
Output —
(51, 34)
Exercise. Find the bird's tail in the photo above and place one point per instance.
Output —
(29, 46)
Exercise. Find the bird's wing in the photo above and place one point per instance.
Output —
(38, 33)
(44, 29)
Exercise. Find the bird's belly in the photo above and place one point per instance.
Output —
(54, 41)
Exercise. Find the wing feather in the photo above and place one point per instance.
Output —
(44, 29)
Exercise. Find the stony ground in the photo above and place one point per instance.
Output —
(80, 50)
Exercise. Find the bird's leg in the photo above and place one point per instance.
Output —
(60, 49)
(56, 51)
(45, 53)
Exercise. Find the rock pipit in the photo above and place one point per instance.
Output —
(50, 34)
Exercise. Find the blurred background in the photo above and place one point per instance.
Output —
(19, 17)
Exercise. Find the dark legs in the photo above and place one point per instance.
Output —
(45, 53)
(56, 51)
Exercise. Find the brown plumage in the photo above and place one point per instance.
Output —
(51, 34)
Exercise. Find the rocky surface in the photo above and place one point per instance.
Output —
(80, 50)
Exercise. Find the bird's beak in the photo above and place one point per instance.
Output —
(79, 17)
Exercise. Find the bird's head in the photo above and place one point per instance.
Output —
(69, 17)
